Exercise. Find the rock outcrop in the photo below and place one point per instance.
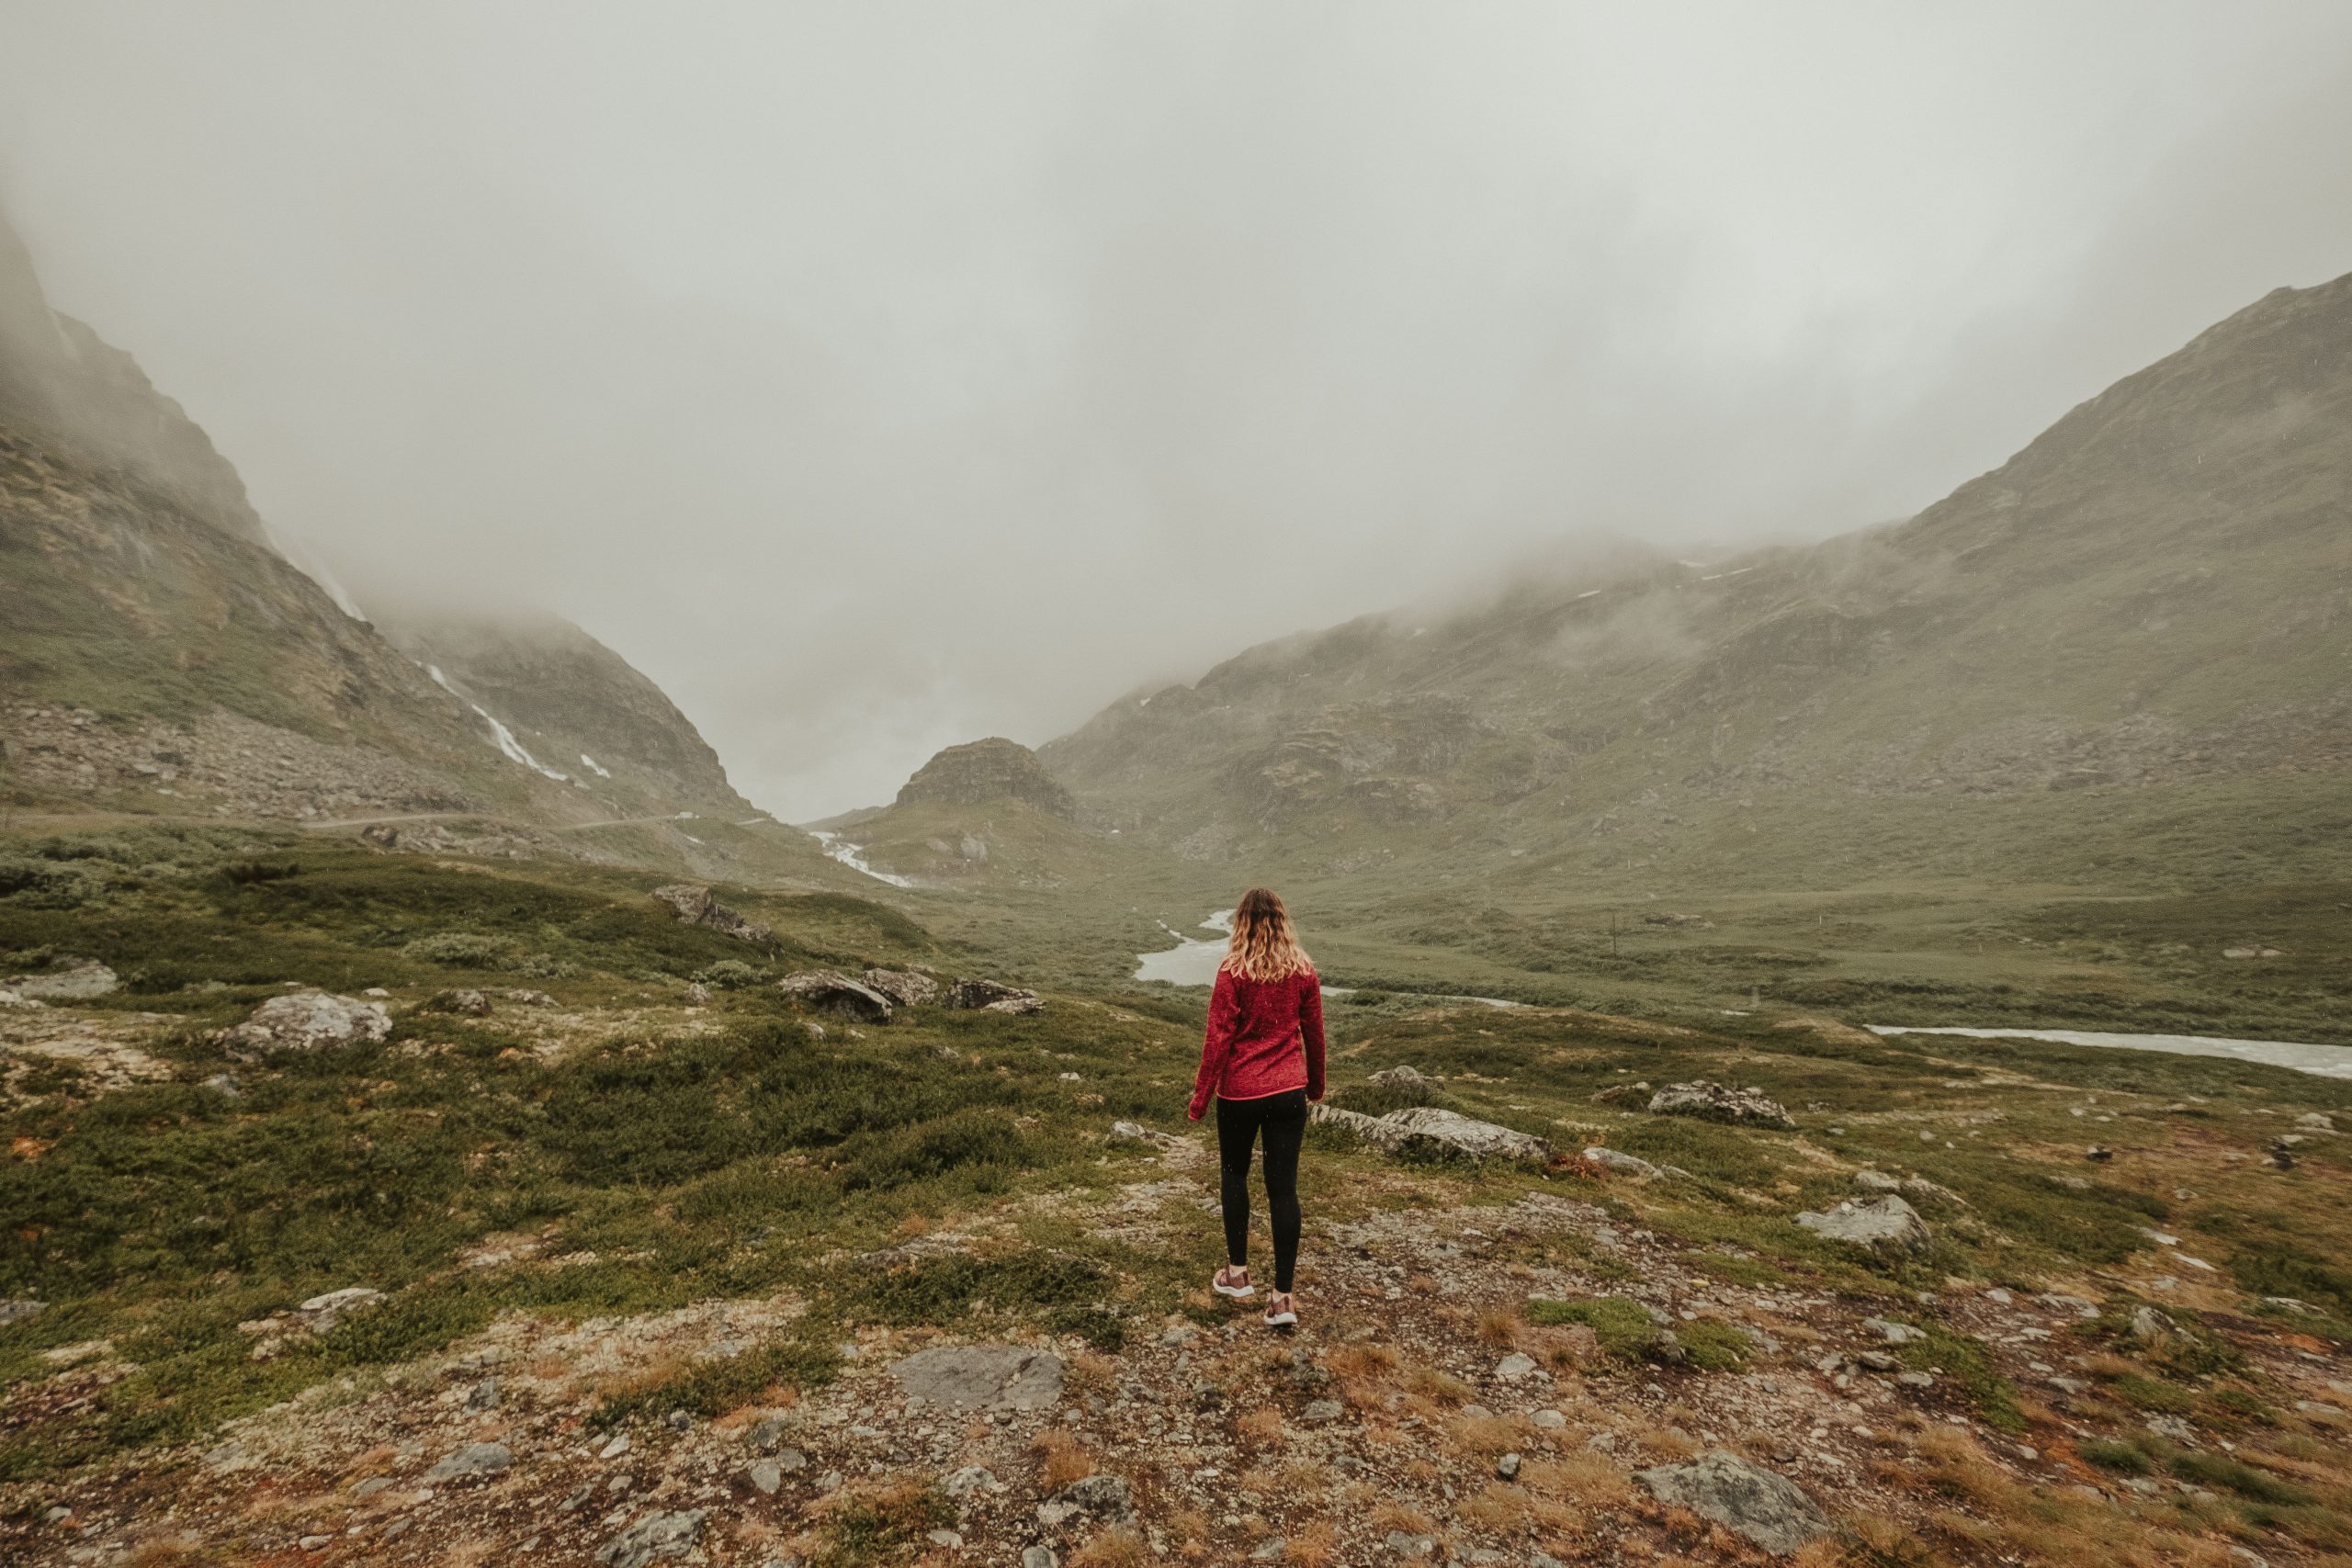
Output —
(306, 1021)
(1716, 1102)
(1883, 1224)
(1724, 1489)
(76, 981)
(1429, 1132)
(983, 1377)
(982, 771)
(829, 990)
(968, 994)
(905, 987)
(695, 906)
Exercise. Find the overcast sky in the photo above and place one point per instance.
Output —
(876, 376)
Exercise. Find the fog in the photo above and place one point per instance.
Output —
(879, 376)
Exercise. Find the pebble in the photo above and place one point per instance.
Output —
(1550, 1420)
(1507, 1467)
(767, 1476)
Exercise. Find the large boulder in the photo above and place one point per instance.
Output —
(1884, 1223)
(993, 997)
(1717, 1102)
(306, 1021)
(1724, 1489)
(905, 987)
(829, 990)
(695, 906)
(1425, 1130)
(983, 1377)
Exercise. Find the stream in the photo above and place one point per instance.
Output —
(2327, 1061)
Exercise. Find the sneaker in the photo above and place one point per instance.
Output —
(1282, 1312)
(1234, 1282)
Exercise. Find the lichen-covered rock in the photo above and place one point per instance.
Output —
(80, 980)
(1425, 1130)
(1622, 1164)
(654, 1536)
(474, 1459)
(1103, 1499)
(832, 991)
(1717, 1102)
(983, 1377)
(1884, 1223)
(903, 986)
(695, 906)
(968, 994)
(306, 1021)
(1724, 1489)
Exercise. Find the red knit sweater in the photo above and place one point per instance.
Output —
(1264, 1037)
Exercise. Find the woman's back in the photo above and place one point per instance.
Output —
(1264, 1037)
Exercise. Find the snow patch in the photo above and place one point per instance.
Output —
(595, 766)
(507, 744)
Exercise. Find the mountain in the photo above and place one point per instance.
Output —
(572, 708)
(2146, 611)
(159, 654)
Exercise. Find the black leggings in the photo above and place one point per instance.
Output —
(1283, 1118)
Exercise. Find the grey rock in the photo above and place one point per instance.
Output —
(1549, 1420)
(1322, 1410)
(1515, 1365)
(1894, 1332)
(462, 999)
(1411, 1547)
(2149, 1325)
(1103, 1498)
(483, 1395)
(767, 1475)
(1623, 1164)
(903, 986)
(1427, 1131)
(1882, 1223)
(83, 980)
(695, 995)
(965, 1482)
(225, 1084)
(1271, 1550)
(1507, 1467)
(944, 1538)
(1040, 1557)
(1717, 1102)
(1876, 1182)
(972, 993)
(306, 1021)
(372, 1485)
(695, 906)
(986, 1377)
(1401, 1077)
(832, 991)
(16, 1309)
(654, 1536)
(1746, 1498)
(474, 1459)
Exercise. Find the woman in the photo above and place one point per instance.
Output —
(1264, 1061)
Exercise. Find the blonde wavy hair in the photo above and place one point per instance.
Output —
(1263, 947)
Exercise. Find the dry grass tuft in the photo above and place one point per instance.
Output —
(1262, 1428)
(1483, 1435)
(1501, 1326)
(1392, 1514)
(1314, 1547)
(1588, 1480)
(1061, 1459)
(1112, 1549)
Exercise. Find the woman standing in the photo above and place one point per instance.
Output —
(1263, 1062)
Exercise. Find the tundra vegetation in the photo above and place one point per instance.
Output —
(627, 1260)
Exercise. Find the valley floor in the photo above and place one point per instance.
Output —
(609, 1252)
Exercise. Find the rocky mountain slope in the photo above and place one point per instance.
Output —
(2152, 600)
(158, 654)
(572, 705)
